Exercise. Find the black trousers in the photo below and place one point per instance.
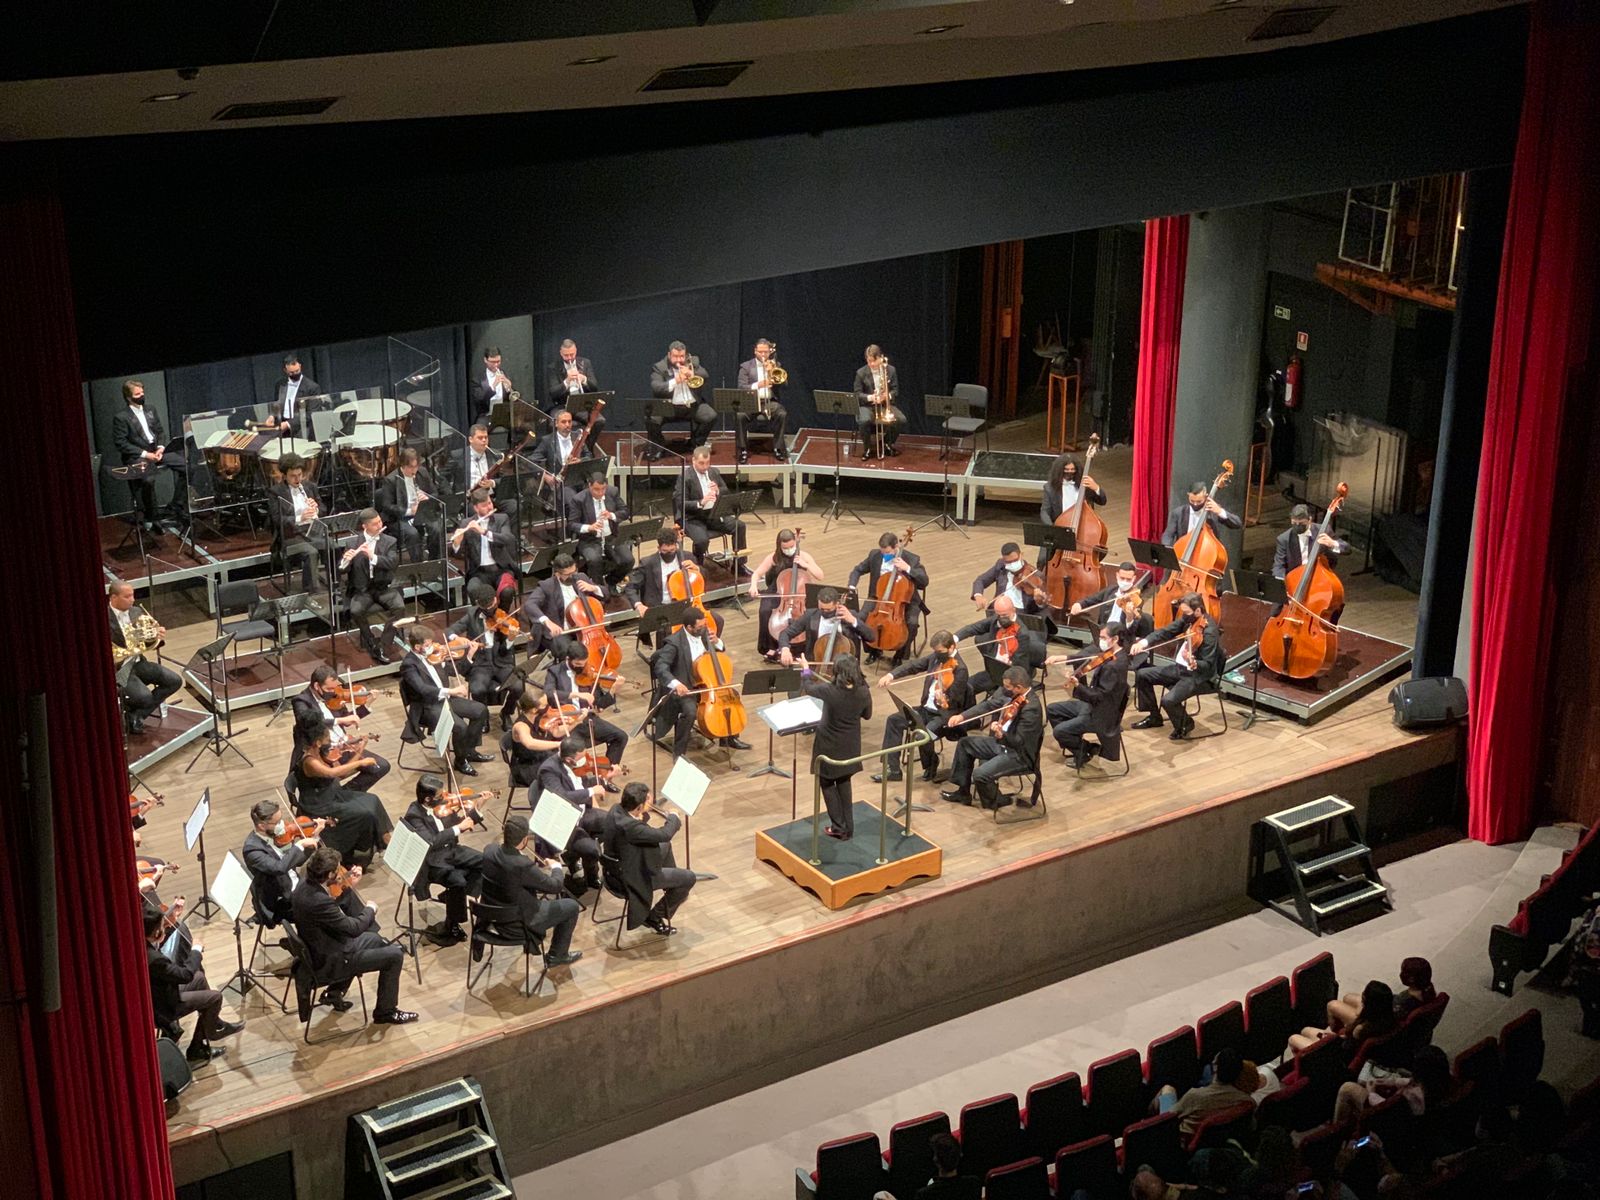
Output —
(1179, 682)
(420, 539)
(490, 575)
(896, 728)
(198, 996)
(386, 599)
(558, 914)
(309, 553)
(608, 737)
(363, 779)
(487, 675)
(776, 422)
(678, 712)
(584, 844)
(980, 761)
(472, 719)
(701, 421)
(868, 430)
(839, 797)
(149, 684)
(143, 491)
(701, 528)
(459, 871)
(606, 562)
(368, 953)
(676, 884)
(1068, 720)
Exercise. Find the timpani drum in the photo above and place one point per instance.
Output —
(378, 411)
(371, 452)
(278, 448)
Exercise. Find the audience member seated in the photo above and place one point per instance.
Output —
(1416, 988)
(1376, 1008)
(1232, 1080)
(1424, 1086)
(949, 1183)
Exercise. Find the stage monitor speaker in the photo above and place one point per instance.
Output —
(1429, 703)
(175, 1073)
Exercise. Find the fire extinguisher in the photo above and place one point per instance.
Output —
(1291, 383)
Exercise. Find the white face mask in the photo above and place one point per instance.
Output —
(1014, 567)
(1105, 643)
(278, 829)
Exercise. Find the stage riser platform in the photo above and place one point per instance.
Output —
(896, 965)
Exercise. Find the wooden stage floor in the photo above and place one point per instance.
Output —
(750, 910)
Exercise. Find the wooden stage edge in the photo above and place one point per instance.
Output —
(666, 1043)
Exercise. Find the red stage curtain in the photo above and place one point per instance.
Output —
(1543, 338)
(93, 1091)
(1166, 258)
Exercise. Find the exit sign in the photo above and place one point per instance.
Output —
(1280, 312)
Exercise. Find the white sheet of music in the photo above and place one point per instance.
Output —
(787, 716)
(685, 786)
(406, 852)
(443, 729)
(231, 886)
(554, 820)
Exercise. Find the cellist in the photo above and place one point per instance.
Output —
(672, 668)
(561, 687)
(772, 584)
(1190, 671)
(545, 606)
(830, 620)
(1061, 492)
(1200, 507)
(891, 556)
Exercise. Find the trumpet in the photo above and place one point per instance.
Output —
(695, 382)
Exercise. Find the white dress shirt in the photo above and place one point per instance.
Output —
(1069, 495)
(138, 413)
(290, 391)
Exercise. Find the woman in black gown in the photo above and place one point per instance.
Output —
(527, 745)
(360, 824)
(846, 702)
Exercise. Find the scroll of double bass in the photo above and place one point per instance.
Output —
(1202, 560)
(1299, 641)
(1071, 575)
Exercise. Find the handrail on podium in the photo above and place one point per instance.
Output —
(919, 737)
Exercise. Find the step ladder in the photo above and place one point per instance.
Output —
(1323, 867)
(438, 1144)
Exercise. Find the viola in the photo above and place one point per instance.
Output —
(453, 647)
(587, 616)
(1202, 560)
(152, 868)
(139, 808)
(1299, 641)
(892, 594)
(596, 764)
(351, 698)
(300, 827)
(462, 803)
(1007, 639)
(559, 719)
(791, 590)
(344, 752)
(344, 877)
(720, 712)
(944, 678)
(1071, 575)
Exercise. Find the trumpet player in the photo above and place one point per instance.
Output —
(490, 385)
(763, 376)
(679, 378)
(877, 388)
(148, 683)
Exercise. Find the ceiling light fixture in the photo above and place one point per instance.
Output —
(937, 29)
(165, 97)
(591, 60)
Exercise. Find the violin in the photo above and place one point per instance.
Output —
(1009, 711)
(720, 713)
(452, 648)
(1195, 636)
(944, 678)
(1299, 641)
(344, 877)
(352, 699)
(1093, 665)
(153, 868)
(596, 764)
(587, 616)
(503, 623)
(462, 803)
(892, 594)
(139, 808)
(1072, 575)
(559, 719)
(791, 589)
(338, 755)
(1202, 560)
(1007, 639)
(298, 828)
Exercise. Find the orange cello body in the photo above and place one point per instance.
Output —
(1202, 560)
(892, 596)
(688, 585)
(791, 589)
(1074, 575)
(588, 616)
(1299, 641)
(721, 709)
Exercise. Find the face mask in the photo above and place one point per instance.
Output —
(1105, 643)
(278, 829)
(888, 556)
(1014, 567)
(1197, 505)
(668, 555)
(294, 377)
(787, 553)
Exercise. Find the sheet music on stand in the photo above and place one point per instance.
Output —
(794, 715)
(685, 786)
(554, 820)
(406, 852)
(195, 825)
(443, 728)
(231, 886)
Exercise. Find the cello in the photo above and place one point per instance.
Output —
(687, 585)
(721, 709)
(1202, 560)
(1299, 641)
(892, 593)
(586, 616)
(1072, 575)
(791, 591)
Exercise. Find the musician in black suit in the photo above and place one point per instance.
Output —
(935, 704)
(487, 542)
(694, 496)
(1293, 547)
(535, 888)
(294, 507)
(572, 375)
(982, 635)
(644, 856)
(561, 687)
(491, 658)
(399, 498)
(139, 438)
(1187, 517)
(297, 396)
(1002, 576)
(558, 774)
(592, 517)
(890, 555)
(178, 987)
(1001, 747)
(369, 583)
(273, 867)
(1101, 607)
(669, 380)
(647, 585)
(672, 669)
(342, 939)
(477, 461)
(544, 607)
(148, 683)
(846, 702)
(877, 377)
(771, 417)
(822, 625)
(312, 701)
(423, 690)
(1187, 674)
(488, 386)
(1097, 701)
(1063, 488)
(449, 865)
(552, 453)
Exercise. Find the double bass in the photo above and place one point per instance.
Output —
(721, 709)
(1202, 560)
(893, 593)
(1071, 575)
(1299, 641)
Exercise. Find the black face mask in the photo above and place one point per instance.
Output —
(294, 376)
(1197, 505)
(668, 555)
(1005, 622)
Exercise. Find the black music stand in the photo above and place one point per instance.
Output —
(581, 404)
(334, 527)
(651, 622)
(1269, 588)
(1154, 555)
(945, 407)
(838, 404)
(216, 740)
(771, 680)
(914, 724)
(284, 607)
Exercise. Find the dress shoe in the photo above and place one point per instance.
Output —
(439, 935)
(930, 774)
(734, 743)
(744, 458)
(479, 756)
(660, 926)
(611, 788)
(136, 726)
(563, 960)
(893, 778)
(337, 1001)
(1080, 756)
(226, 1029)
(837, 834)
(781, 453)
(1151, 721)
(463, 767)
(956, 795)
(1179, 733)
(382, 659)
(397, 1017)
(575, 888)
(202, 1053)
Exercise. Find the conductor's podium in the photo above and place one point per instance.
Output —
(846, 870)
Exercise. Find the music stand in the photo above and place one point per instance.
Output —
(770, 680)
(1267, 587)
(511, 414)
(1049, 538)
(284, 607)
(545, 555)
(637, 529)
(945, 407)
(581, 404)
(1154, 555)
(662, 410)
(838, 404)
(914, 723)
(418, 575)
(216, 740)
(194, 835)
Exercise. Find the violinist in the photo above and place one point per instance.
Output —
(545, 606)
(272, 866)
(648, 585)
(1011, 578)
(368, 566)
(877, 387)
(644, 860)
(592, 516)
(423, 690)
(527, 742)
(891, 558)
(672, 669)
(1199, 508)
(992, 637)
(311, 706)
(694, 499)
(1008, 742)
(560, 774)
(294, 508)
(399, 499)
(342, 939)
(561, 687)
(846, 702)
(487, 542)
(771, 583)
(669, 380)
(149, 683)
(937, 702)
(820, 626)
(1103, 609)
(1097, 701)
(1293, 547)
(771, 417)
(178, 987)
(491, 657)
(456, 868)
(1192, 671)
(359, 825)
(536, 888)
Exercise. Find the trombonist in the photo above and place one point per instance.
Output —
(877, 387)
(763, 376)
